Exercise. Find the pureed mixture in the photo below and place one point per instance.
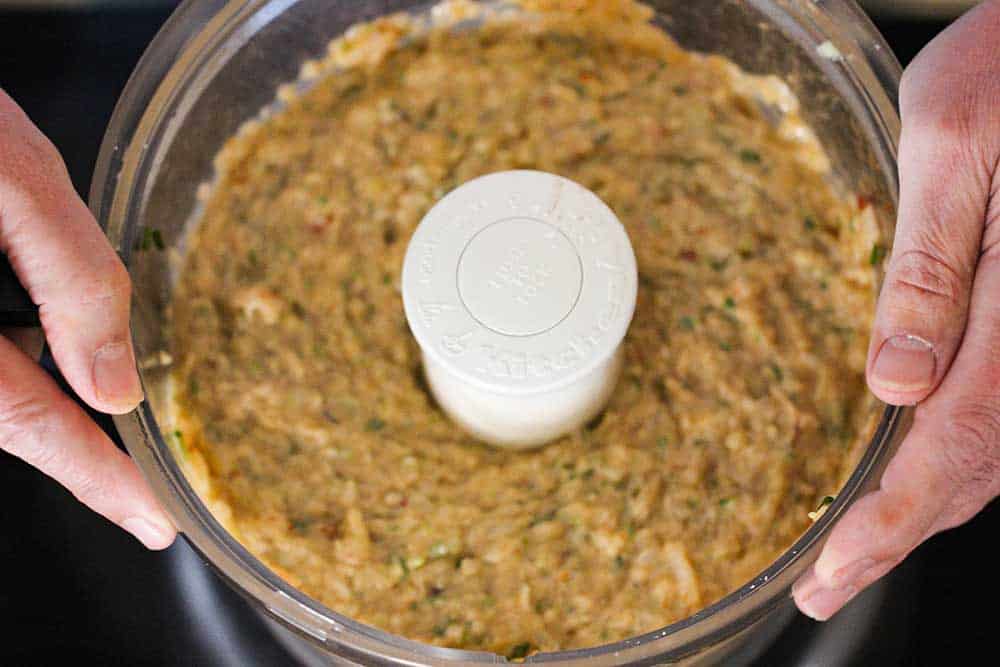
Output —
(300, 405)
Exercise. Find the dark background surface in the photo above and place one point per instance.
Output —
(73, 587)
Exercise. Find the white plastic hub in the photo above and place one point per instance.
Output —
(519, 287)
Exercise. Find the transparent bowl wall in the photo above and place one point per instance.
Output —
(215, 64)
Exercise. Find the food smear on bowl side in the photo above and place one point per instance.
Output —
(300, 406)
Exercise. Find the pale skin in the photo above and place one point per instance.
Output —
(82, 289)
(940, 302)
(935, 342)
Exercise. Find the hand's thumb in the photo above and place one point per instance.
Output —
(944, 193)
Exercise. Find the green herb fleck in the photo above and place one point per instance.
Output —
(440, 629)
(809, 223)
(151, 238)
(750, 156)
(878, 254)
(179, 438)
(576, 86)
(519, 651)
(687, 322)
(729, 303)
(662, 442)
(614, 97)
(819, 511)
(778, 374)
(375, 424)
(542, 518)
(725, 502)
(726, 346)
(619, 562)
(351, 90)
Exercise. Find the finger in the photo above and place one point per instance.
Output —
(948, 104)
(42, 426)
(67, 266)
(879, 530)
(946, 471)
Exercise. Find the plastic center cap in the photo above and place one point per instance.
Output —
(520, 277)
(519, 283)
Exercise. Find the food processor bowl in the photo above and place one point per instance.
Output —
(217, 63)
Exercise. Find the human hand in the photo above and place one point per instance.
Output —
(936, 338)
(83, 291)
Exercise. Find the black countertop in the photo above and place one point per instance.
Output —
(73, 586)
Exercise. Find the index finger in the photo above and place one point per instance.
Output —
(67, 266)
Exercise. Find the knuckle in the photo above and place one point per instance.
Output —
(28, 430)
(918, 275)
(971, 448)
(24, 427)
(990, 254)
(895, 517)
(119, 281)
(90, 488)
(18, 418)
(951, 100)
(42, 151)
(111, 285)
(31, 162)
(947, 127)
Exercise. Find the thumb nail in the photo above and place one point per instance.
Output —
(152, 535)
(904, 364)
(115, 377)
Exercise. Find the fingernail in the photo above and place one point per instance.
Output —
(150, 534)
(849, 574)
(904, 364)
(115, 377)
(825, 602)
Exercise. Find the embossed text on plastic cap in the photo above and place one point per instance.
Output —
(519, 282)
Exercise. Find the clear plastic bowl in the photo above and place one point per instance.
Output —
(216, 63)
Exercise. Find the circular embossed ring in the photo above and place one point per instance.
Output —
(519, 287)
